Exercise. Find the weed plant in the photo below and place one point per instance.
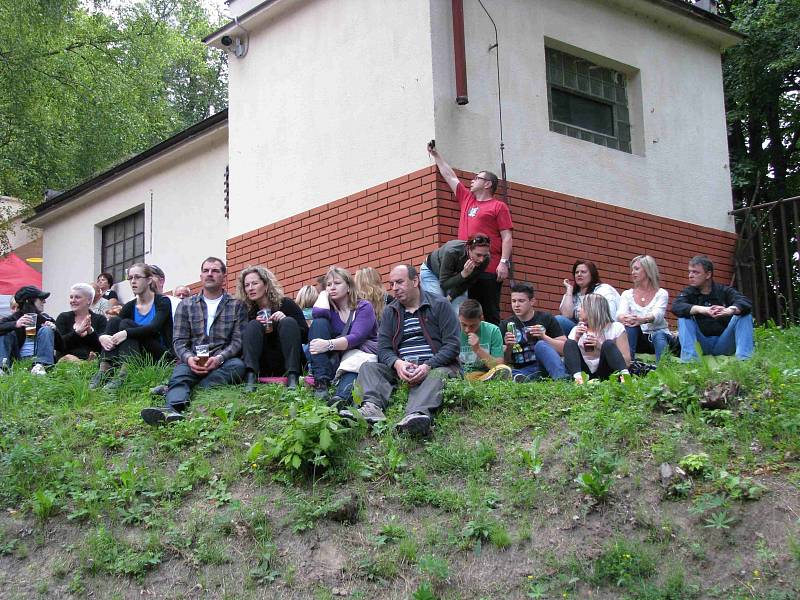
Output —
(247, 475)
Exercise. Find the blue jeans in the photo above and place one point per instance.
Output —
(184, 379)
(325, 364)
(736, 339)
(566, 324)
(44, 347)
(429, 282)
(548, 363)
(656, 341)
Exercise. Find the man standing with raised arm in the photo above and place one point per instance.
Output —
(480, 211)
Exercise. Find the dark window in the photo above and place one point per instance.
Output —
(123, 244)
(587, 101)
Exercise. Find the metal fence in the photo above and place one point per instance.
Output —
(767, 259)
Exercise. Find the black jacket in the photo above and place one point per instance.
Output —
(447, 263)
(720, 295)
(161, 325)
(8, 324)
(290, 309)
(75, 344)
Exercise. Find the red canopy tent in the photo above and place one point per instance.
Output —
(15, 272)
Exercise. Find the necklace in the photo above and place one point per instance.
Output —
(643, 294)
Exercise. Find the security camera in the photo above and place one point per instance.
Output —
(227, 40)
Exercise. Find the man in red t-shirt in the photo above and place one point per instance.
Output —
(482, 212)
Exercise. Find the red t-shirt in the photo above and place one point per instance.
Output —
(487, 216)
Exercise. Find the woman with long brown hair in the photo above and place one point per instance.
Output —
(273, 338)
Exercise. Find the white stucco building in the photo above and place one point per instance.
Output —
(613, 128)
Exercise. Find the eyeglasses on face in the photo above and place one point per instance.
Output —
(136, 277)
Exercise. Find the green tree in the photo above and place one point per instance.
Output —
(84, 86)
(762, 83)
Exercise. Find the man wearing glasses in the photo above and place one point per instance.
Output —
(482, 212)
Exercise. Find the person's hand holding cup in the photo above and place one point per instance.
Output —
(30, 327)
(535, 332)
(264, 317)
(202, 353)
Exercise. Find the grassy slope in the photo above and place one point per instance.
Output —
(96, 503)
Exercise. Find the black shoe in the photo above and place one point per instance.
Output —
(250, 381)
(337, 402)
(321, 389)
(291, 381)
(160, 415)
(99, 379)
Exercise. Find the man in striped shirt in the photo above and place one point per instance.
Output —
(419, 343)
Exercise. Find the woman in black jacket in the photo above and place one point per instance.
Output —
(79, 327)
(144, 326)
(272, 340)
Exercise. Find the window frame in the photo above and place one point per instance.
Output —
(622, 139)
(109, 239)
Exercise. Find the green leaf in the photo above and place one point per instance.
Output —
(324, 439)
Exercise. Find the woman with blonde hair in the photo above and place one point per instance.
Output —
(273, 337)
(369, 286)
(344, 335)
(305, 299)
(597, 345)
(144, 326)
(80, 327)
(642, 309)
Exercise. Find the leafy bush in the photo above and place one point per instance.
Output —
(307, 437)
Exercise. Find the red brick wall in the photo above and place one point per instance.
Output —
(404, 219)
(390, 223)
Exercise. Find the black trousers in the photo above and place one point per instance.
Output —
(273, 354)
(150, 345)
(611, 360)
(486, 290)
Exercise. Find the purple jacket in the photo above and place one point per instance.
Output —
(363, 330)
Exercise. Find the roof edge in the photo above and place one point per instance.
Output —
(104, 177)
(698, 14)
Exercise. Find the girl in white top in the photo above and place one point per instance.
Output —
(586, 280)
(597, 344)
(642, 309)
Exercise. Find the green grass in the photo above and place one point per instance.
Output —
(243, 492)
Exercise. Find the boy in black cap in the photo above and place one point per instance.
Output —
(28, 332)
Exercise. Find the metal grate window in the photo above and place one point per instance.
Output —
(587, 101)
(123, 244)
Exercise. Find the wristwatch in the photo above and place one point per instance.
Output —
(505, 261)
(330, 345)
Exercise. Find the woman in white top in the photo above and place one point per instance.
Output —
(597, 344)
(642, 309)
(585, 280)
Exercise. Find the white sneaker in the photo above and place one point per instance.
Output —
(38, 369)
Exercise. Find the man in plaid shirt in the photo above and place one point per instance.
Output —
(213, 318)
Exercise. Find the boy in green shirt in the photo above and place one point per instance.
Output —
(481, 345)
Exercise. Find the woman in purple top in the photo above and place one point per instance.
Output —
(343, 334)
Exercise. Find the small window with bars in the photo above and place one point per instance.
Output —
(123, 244)
(587, 101)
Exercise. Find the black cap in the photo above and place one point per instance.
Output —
(29, 292)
